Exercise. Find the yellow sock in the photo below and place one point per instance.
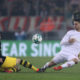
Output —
(34, 68)
(28, 64)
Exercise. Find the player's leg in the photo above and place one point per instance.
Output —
(11, 62)
(27, 64)
(56, 60)
(13, 69)
(47, 65)
(67, 64)
(9, 70)
(2, 69)
(16, 68)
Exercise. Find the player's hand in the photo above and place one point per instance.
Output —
(72, 40)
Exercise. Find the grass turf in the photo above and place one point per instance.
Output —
(72, 73)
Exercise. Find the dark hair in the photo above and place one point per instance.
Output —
(76, 16)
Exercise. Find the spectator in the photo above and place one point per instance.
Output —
(47, 25)
(26, 8)
(43, 13)
(9, 6)
(19, 34)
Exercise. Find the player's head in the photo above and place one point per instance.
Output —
(76, 20)
(76, 16)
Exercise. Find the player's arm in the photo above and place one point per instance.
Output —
(65, 39)
(72, 40)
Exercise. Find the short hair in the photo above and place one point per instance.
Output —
(76, 16)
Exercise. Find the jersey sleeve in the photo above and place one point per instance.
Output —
(65, 39)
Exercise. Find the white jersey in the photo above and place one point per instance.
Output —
(71, 48)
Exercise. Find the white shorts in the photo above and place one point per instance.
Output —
(63, 57)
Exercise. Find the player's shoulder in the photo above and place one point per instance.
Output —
(70, 31)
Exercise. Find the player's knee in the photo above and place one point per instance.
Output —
(52, 63)
(75, 60)
(18, 61)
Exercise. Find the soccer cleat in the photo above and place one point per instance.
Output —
(37, 70)
(41, 70)
(57, 68)
(8, 71)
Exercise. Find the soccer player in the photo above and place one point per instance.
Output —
(8, 63)
(70, 48)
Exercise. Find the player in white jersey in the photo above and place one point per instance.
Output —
(71, 48)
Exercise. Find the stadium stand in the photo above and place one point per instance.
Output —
(28, 14)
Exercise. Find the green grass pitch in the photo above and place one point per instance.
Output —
(72, 73)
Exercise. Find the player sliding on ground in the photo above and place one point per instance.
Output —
(71, 48)
(9, 64)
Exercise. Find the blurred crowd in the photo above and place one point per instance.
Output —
(37, 7)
